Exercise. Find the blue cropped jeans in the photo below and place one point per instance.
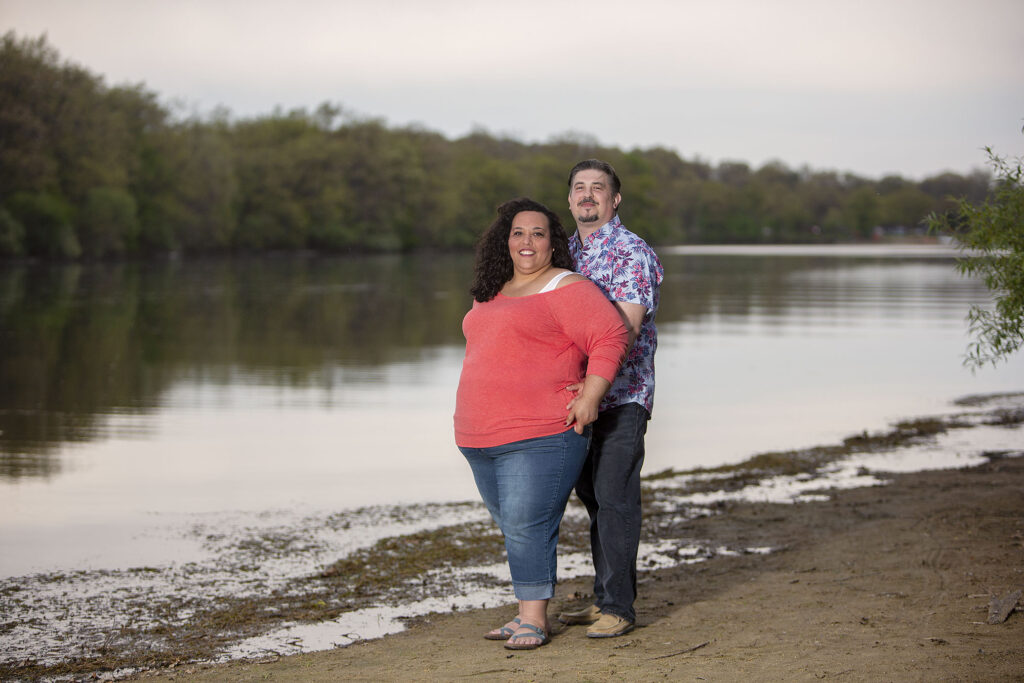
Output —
(525, 485)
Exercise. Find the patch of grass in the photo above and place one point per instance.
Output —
(1007, 416)
(401, 559)
(808, 460)
(976, 400)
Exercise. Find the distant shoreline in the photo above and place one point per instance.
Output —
(875, 249)
(926, 247)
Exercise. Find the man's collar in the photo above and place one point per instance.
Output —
(613, 223)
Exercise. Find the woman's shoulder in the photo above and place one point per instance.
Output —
(559, 278)
(568, 277)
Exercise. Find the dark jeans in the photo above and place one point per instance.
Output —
(609, 486)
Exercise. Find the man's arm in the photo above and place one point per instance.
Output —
(632, 318)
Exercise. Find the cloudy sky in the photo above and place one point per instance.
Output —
(913, 87)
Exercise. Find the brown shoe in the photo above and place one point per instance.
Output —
(584, 616)
(609, 626)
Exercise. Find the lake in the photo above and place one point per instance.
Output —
(138, 399)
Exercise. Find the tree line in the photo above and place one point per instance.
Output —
(93, 171)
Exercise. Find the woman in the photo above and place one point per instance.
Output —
(535, 329)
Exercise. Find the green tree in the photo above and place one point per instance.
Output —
(860, 211)
(47, 222)
(906, 207)
(186, 188)
(991, 236)
(487, 183)
(12, 235)
(88, 170)
(28, 73)
(109, 222)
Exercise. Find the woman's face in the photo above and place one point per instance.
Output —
(529, 242)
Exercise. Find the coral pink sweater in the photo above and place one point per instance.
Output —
(522, 353)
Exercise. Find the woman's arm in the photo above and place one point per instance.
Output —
(583, 407)
(596, 327)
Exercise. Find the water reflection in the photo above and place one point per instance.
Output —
(85, 344)
(794, 290)
(81, 342)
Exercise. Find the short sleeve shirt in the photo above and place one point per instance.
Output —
(626, 269)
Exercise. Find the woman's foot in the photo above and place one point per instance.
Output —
(527, 637)
(505, 632)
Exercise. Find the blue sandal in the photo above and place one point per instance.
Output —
(537, 633)
(503, 633)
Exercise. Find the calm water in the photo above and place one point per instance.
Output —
(136, 398)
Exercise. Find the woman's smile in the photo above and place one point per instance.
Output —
(529, 242)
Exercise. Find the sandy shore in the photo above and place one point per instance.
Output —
(878, 583)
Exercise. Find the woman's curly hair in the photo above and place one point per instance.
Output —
(493, 262)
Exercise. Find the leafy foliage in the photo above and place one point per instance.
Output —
(91, 171)
(991, 234)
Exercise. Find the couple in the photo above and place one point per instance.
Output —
(555, 392)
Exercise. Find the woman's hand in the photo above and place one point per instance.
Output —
(583, 407)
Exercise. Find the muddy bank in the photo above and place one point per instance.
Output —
(735, 585)
(880, 583)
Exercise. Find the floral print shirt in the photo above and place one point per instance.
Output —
(626, 269)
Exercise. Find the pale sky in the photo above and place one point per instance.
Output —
(913, 87)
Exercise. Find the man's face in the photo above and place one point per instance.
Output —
(591, 200)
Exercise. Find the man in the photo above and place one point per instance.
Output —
(629, 273)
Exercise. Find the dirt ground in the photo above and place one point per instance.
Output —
(885, 583)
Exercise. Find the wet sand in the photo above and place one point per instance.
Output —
(878, 583)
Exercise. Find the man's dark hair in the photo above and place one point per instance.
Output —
(596, 165)
(493, 262)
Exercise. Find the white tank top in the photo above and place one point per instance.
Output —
(553, 282)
